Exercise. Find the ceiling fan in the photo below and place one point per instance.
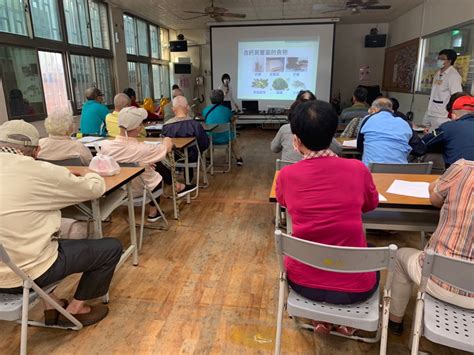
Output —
(216, 13)
(354, 6)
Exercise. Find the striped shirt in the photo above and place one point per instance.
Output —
(454, 235)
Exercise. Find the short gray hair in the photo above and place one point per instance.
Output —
(59, 123)
(382, 103)
(120, 101)
(217, 96)
(180, 101)
(177, 92)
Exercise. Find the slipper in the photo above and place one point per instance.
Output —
(96, 314)
(51, 315)
(322, 327)
(345, 330)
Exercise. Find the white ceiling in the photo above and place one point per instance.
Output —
(170, 12)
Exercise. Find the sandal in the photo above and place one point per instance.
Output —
(51, 315)
(345, 330)
(322, 327)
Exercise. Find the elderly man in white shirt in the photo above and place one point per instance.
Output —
(446, 82)
(33, 193)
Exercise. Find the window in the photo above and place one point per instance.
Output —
(54, 80)
(165, 43)
(132, 76)
(12, 17)
(154, 42)
(165, 80)
(130, 34)
(82, 77)
(99, 25)
(459, 39)
(22, 82)
(155, 69)
(144, 81)
(76, 22)
(142, 31)
(45, 17)
(103, 68)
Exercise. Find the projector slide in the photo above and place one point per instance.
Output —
(276, 70)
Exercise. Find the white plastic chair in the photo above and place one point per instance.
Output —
(222, 128)
(14, 307)
(438, 321)
(364, 315)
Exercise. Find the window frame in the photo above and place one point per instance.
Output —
(149, 60)
(62, 46)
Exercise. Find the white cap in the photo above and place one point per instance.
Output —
(131, 117)
(19, 132)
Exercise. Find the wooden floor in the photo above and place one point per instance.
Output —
(208, 284)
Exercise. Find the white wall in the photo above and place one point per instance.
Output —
(438, 15)
(350, 55)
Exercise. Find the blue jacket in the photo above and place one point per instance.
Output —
(454, 138)
(93, 118)
(384, 138)
(187, 127)
(219, 115)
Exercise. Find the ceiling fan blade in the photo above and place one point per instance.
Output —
(212, 9)
(375, 7)
(218, 18)
(229, 14)
(195, 12)
(194, 17)
(335, 10)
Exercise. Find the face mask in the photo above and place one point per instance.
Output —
(226, 81)
(440, 63)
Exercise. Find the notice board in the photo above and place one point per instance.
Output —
(400, 66)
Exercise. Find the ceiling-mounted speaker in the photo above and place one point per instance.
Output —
(375, 41)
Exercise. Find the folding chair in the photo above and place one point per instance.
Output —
(147, 197)
(15, 307)
(222, 128)
(364, 315)
(279, 164)
(438, 321)
(198, 165)
(73, 161)
(410, 168)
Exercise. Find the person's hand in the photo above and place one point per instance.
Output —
(236, 107)
(75, 172)
(168, 143)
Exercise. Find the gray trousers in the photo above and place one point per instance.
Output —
(95, 258)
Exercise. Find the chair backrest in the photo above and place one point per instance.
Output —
(222, 128)
(455, 272)
(128, 165)
(335, 258)
(280, 164)
(5, 258)
(73, 161)
(410, 168)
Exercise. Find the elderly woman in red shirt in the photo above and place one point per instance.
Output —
(325, 196)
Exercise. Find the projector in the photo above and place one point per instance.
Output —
(276, 110)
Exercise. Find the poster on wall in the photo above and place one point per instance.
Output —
(400, 66)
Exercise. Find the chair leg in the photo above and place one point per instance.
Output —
(142, 221)
(24, 317)
(281, 300)
(160, 211)
(384, 324)
(417, 326)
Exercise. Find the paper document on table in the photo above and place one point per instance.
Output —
(382, 198)
(157, 127)
(350, 143)
(89, 139)
(93, 144)
(409, 188)
(152, 142)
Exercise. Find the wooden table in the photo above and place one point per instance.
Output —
(403, 213)
(112, 198)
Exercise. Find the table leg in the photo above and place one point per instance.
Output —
(211, 154)
(186, 173)
(133, 233)
(96, 218)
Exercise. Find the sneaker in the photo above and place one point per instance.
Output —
(187, 189)
(240, 162)
(153, 219)
(395, 328)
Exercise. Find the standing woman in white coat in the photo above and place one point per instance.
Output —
(446, 82)
(228, 94)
